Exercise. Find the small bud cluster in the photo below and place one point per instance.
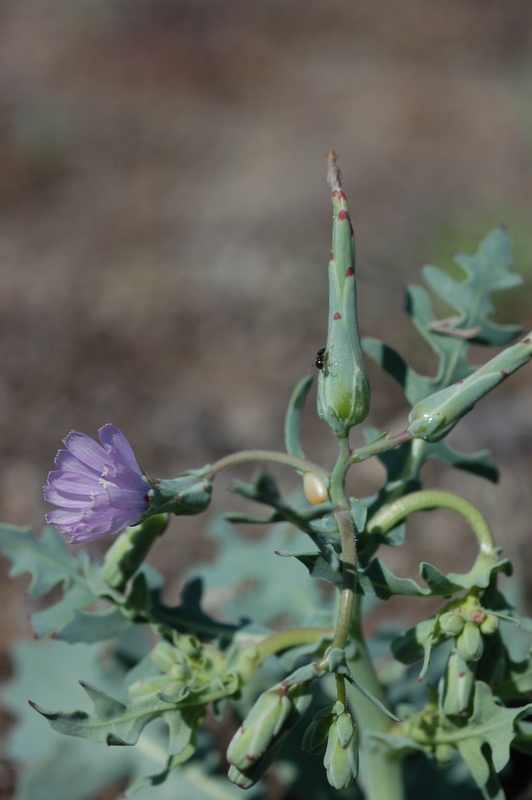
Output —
(467, 623)
(188, 667)
(333, 731)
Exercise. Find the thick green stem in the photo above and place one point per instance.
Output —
(245, 456)
(390, 516)
(349, 578)
(382, 772)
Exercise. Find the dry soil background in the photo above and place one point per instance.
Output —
(165, 226)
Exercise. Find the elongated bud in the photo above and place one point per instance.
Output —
(184, 496)
(432, 418)
(456, 686)
(273, 712)
(128, 552)
(341, 755)
(469, 644)
(315, 737)
(343, 387)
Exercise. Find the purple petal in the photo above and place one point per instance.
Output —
(87, 451)
(65, 499)
(61, 518)
(74, 482)
(118, 447)
(68, 463)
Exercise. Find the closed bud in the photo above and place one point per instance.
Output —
(263, 732)
(271, 712)
(490, 625)
(452, 624)
(164, 655)
(184, 496)
(432, 418)
(469, 644)
(456, 686)
(315, 737)
(343, 386)
(341, 755)
(238, 778)
(443, 753)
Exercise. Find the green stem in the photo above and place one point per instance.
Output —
(380, 446)
(245, 456)
(382, 772)
(338, 475)
(284, 640)
(392, 514)
(349, 579)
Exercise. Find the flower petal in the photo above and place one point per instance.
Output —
(87, 451)
(66, 500)
(100, 489)
(118, 447)
(73, 482)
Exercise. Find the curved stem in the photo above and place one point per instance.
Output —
(245, 456)
(338, 475)
(390, 516)
(284, 640)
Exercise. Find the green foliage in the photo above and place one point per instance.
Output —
(278, 638)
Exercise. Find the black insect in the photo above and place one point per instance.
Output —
(319, 363)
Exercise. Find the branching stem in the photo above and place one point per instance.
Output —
(246, 456)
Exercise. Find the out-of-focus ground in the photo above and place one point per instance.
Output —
(165, 227)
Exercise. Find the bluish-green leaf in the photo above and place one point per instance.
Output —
(487, 271)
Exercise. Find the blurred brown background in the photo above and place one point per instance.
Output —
(165, 226)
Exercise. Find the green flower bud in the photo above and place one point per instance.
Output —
(490, 625)
(164, 655)
(443, 753)
(315, 737)
(263, 732)
(469, 644)
(130, 549)
(184, 496)
(456, 687)
(432, 418)
(343, 387)
(238, 778)
(271, 713)
(341, 755)
(451, 623)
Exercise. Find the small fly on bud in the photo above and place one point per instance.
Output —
(319, 363)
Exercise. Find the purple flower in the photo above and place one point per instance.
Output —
(100, 489)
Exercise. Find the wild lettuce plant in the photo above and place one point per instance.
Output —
(450, 704)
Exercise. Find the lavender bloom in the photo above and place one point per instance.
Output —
(100, 489)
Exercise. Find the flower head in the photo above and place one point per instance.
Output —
(100, 489)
